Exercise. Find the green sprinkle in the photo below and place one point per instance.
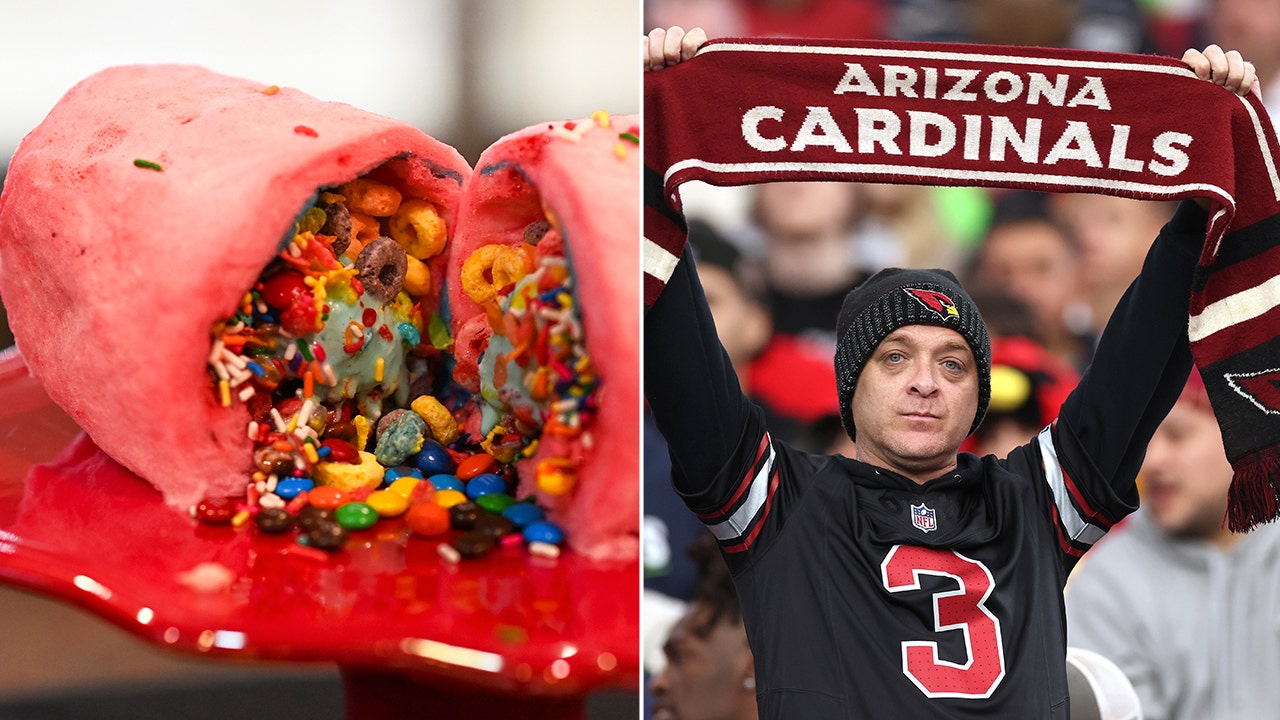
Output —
(630, 136)
(306, 351)
(439, 333)
(139, 162)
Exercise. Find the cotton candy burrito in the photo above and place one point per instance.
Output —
(544, 283)
(135, 226)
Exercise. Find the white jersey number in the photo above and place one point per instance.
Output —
(961, 609)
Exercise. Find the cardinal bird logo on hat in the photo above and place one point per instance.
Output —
(938, 302)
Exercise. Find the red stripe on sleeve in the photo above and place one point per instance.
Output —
(1063, 542)
(712, 517)
(751, 536)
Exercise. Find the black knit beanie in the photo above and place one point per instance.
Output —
(895, 297)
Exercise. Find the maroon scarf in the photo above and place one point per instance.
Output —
(748, 111)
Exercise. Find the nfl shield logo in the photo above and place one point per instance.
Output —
(924, 518)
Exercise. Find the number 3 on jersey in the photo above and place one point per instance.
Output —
(961, 609)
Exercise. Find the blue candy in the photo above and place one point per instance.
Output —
(395, 473)
(445, 481)
(523, 514)
(288, 488)
(485, 484)
(543, 531)
(432, 459)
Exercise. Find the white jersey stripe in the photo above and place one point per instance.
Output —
(735, 526)
(1078, 529)
(658, 262)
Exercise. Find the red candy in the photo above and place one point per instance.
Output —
(341, 451)
(428, 519)
(475, 465)
(288, 407)
(422, 492)
(282, 290)
(300, 317)
(216, 511)
(298, 502)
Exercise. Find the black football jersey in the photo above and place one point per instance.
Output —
(867, 595)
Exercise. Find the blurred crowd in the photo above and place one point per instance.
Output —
(1046, 270)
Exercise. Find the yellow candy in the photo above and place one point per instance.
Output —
(387, 503)
(404, 486)
(417, 278)
(419, 229)
(346, 476)
(556, 477)
(444, 428)
(449, 498)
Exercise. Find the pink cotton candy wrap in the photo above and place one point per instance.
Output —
(113, 274)
(589, 179)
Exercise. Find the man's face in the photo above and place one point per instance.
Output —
(803, 209)
(1186, 474)
(915, 401)
(1036, 264)
(704, 676)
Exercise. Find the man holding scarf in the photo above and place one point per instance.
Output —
(913, 582)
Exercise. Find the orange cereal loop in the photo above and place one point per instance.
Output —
(443, 426)
(371, 197)
(475, 268)
(509, 267)
(489, 269)
(419, 229)
(364, 228)
(417, 278)
(354, 248)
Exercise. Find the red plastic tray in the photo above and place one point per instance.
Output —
(506, 633)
